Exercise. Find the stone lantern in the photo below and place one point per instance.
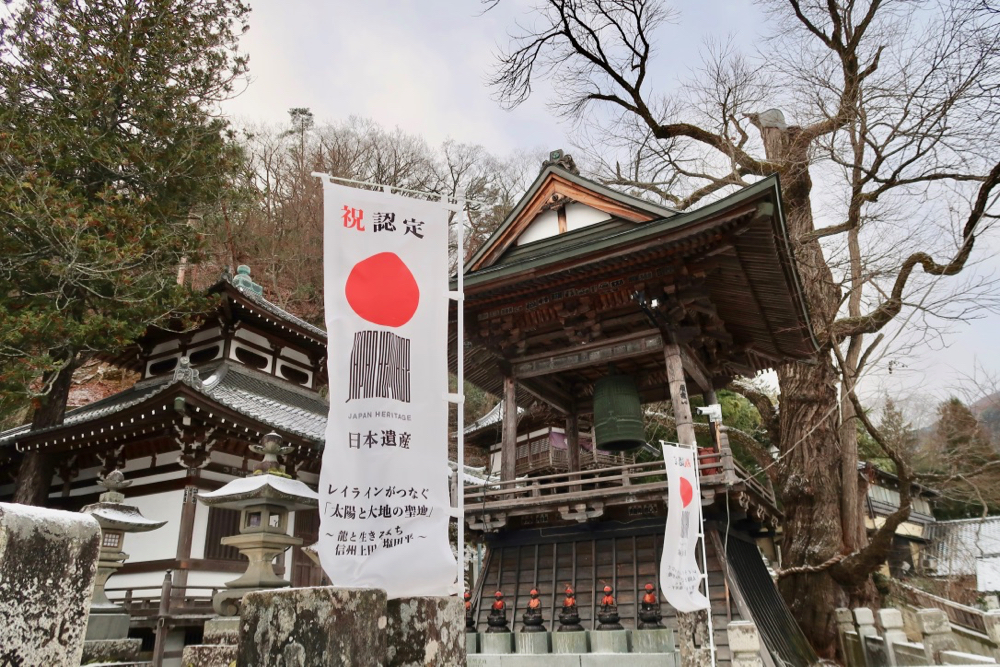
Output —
(107, 619)
(264, 500)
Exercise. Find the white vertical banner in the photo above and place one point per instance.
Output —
(679, 573)
(384, 501)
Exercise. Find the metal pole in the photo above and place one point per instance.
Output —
(459, 297)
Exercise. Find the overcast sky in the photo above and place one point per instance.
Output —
(422, 66)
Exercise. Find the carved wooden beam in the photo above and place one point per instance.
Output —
(591, 354)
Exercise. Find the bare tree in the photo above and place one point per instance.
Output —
(895, 106)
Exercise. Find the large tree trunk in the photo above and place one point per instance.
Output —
(35, 475)
(818, 475)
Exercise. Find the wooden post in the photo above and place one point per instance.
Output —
(689, 626)
(679, 395)
(573, 447)
(508, 444)
(186, 528)
(710, 398)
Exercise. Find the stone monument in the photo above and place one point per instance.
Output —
(48, 563)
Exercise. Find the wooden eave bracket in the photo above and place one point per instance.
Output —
(486, 521)
(582, 512)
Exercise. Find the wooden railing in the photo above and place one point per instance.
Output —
(537, 454)
(144, 601)
(959, 614)
(715, 470)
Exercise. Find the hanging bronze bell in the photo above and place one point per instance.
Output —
(618, 414)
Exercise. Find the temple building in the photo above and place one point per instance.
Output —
(203, 397)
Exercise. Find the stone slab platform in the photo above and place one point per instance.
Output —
(111, 650)
(590, 660)
(208, 655)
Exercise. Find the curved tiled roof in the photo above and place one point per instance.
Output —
(275, 403)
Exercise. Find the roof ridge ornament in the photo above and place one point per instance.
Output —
(186, 373)
(559, 158)
(243, 282)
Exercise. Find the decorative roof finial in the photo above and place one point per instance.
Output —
(561, 159)
(270, 446)
(114, 482)
(243, 282)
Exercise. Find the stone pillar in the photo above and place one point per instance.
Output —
(48, 562)
(845, 624)
(865, 620)
(314, 627)
(744, 642)
(425, 631)
(508, 443)
(992, 619)
(936, 632)
(891, 621)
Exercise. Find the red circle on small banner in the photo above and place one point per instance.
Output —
(687, 491)
(382, 290)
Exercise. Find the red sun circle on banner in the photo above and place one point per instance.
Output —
(687, 491)
(382, 290)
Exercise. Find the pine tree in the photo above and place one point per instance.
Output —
(109, 143)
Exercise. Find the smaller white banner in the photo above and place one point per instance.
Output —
(679, 573)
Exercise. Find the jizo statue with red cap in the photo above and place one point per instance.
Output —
(569, 617)
(608, 615)
(497, 620)
(532, 617)
(470, 615)
(649, 610)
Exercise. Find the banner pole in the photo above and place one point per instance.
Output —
(459, 297)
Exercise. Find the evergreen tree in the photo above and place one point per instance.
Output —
(109, 143)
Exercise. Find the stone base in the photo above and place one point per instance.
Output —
(314, 627)
(640, 660)
(107, 626)
(48, 562)
(496, 642)
(634, 660)
(205, 655)
(534, 643)
(471, 642)
(425, 631)
(653, 641)
(111, 650)
(224, 630)
(569, 642)
(609, 641)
